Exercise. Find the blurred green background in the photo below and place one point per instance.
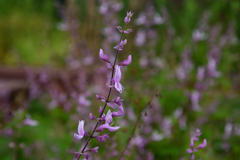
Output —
(30, 36)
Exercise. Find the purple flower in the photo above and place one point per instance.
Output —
(103, 138)
(107, 126)
(198, 132)
(200, 73)
(100, 97)
(86, 156)
(195, 98)
(120, 45)
(119, 29)
(100, 109)
(119, 113)
(77, 154)
(108, 120)
(127, 19)
(94, 150)
(30, 122)
(126, 61)
(125, 31)
(192, 157)
(118, 101)
(202, 145)
(211, 68)
(104, 57)
(92, 117)
(83, 101)
(117, 79)
(81, 132)
(109, 117)
(111, 104)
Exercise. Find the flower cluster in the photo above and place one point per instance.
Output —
(200, 146)
(105, 122)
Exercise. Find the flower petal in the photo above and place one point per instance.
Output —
(109, 117)
(81, 128)
(77, 137)
(118, 87)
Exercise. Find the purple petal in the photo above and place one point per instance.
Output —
(192, 157)
(127, 20)
(103, 138)
(202, 145)
(189, 150)
(111, 104)
(81, 128)
(95, 150)
(77, 137)
(86, 156)
(109, 117)
(117, 76)
(113, 129)
(100, 97)
(77, 154)
(198, 132)
(127, 31)
(109, 65)
(107, 126)
(192, 143)
(118, 87)
(119, 28)
(119, 113)
(127, 61)
(92, 117)
(100, 109)
(103, 56)
(118, 101)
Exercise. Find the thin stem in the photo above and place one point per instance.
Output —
(136, 124)
(105, 105)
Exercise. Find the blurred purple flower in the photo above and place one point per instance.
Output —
(200, 146)
(120, 45)
(127, 19)
(125, 31)
(105, 58)
(94, 150)
(211, 68)
(140, 38)
(200, 73)
(92, 117)
(30, 122)
(103, 138)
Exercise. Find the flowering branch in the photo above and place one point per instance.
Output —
(200, 146)
(114, 82)
(137, 122)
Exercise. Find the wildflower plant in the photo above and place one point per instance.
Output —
(106, 121)
(192, 149)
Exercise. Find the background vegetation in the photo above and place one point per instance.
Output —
(32, 36)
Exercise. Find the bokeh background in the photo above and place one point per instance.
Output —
(187, 52)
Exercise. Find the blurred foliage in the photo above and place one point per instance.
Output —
(29, 35)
